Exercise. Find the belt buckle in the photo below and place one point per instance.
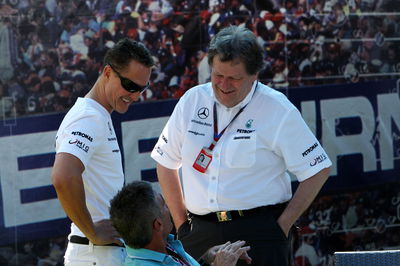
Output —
(224, 216)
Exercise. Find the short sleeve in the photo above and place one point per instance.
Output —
(167, 150)
(81, 138)
(300, 149)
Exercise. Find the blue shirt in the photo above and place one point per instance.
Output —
(142, 256)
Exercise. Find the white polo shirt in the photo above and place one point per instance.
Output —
(87, 132)
(251, 158)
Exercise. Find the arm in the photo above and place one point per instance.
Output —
(67, 180)
(173, 195)
(302, 199)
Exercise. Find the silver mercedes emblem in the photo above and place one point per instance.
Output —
(203, 113)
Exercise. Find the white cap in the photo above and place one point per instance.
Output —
(173, 81)
(263, 13)
(269, 24)
(110, 44)
(213, 19)
(283, 29)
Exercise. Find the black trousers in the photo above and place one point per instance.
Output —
(269, 245)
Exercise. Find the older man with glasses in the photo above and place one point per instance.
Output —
(234, 139)
(87, 171)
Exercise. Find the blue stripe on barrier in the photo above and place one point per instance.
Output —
(36, 161)
(147, 145)
(32, 124)
(37, 194)
(35, 231)
(149, 175)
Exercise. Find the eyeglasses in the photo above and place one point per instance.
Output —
(128, 84)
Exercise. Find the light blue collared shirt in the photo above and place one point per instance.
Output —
(142, 256)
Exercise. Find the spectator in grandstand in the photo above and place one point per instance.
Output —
(92, 27)
(143, 220)
(306, 253)
(234, 194)
(87, 170)
(6, 105)
(33, 103)
(203, 68)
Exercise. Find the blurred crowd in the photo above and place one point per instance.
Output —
(45, 252)
(51, 51)
(352, 221)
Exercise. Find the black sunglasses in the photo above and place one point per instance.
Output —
(128, 84)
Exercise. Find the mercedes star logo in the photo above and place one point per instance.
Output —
(203, 112)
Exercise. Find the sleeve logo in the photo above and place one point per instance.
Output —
(306, 152)
(83, 135)
(319, 159)
(80, 145)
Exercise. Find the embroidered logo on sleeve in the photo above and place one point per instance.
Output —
(159, 150)
(83, 135)
(79, 144)
(306, 152)
(319, 159)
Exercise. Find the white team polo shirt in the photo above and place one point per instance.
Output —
(251, 158)
(87, 132)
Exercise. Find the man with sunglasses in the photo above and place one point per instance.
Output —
(87, 171)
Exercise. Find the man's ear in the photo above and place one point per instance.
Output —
(106, 71)
(157, 224)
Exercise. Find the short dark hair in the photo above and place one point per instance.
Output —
(133, 211)
(126, 50)
(237, 42)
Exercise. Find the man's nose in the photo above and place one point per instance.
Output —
(225, 83)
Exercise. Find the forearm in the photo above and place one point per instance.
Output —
(302, 199)
(67, 180)
(72, 199)
(172, 192)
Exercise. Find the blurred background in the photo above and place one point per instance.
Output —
(338, 61)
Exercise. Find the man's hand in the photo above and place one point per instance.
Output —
(105, 233)
(227, 254)
(302, 199)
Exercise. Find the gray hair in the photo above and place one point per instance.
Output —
(133, 211)
(237, 43)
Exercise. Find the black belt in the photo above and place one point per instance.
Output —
(84, 241)
(225, 216)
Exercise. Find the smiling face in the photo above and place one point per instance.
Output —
(230, 81)
(117, 98)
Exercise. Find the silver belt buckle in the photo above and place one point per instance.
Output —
(224, 216)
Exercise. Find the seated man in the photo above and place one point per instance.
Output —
(142, 218)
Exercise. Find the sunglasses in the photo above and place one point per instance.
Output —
(128, 84)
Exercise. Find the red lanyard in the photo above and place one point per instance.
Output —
(218, 136)
(176, 257)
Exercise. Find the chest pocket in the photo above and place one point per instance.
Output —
(241, 151)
